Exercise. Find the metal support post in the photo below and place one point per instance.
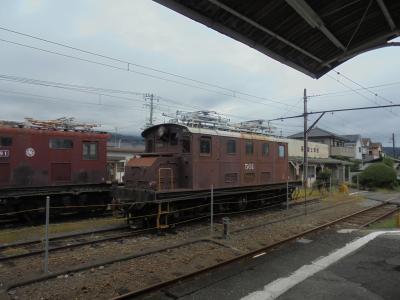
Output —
(46, 236)
(305, 152)
(358, 183)
(393, 146)
(225, 222)
(212, 210)
(287, 194)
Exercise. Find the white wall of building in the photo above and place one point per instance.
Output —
(315, 150)
(358, 150)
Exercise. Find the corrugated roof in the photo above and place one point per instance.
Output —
(320, 160)
(142, 161)
(311, 36)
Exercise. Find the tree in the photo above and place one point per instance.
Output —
(378, 175)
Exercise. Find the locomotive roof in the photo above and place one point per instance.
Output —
(216, 132)
(70, 133)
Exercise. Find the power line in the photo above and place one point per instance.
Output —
(362, 95)
(67, 101)
(233, 93)
(363, 87)
(85, 89)
(337, 110)
(98, 91)
(344, 92)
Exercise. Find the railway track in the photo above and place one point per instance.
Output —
(35, 247)
(71, 241)
(368, 216)
(13, 222)
(359, 219)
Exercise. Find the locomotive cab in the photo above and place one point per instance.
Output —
(160, 167)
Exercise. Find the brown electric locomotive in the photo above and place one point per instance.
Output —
(182, 164)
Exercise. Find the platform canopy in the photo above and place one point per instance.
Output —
(312, 36)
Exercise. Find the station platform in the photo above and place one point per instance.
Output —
(330, 264)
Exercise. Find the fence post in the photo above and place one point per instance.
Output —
(330, 184)
(287, 194)
(46, 236)
(358, 184)
(212, 210)
(226, 222)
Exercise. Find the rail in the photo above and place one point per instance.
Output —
(163, 284)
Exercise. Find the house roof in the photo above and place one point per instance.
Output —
(317, 132)
(309, 35)
(365, 141)
(376, 144)
(352, 138)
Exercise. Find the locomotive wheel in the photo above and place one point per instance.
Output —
(242, 203)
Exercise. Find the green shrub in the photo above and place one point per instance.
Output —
(355, 166)
(324, 175)
(378, 175)
(388, 161)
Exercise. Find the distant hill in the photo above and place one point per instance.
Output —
(389, 151)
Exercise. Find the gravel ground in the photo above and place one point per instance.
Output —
(108, 281)
(135, 273)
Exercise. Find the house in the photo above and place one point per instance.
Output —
(375, 150)
(335, 142)
(117, 158)
(354, 141)
(365, 144)
(371, 150)
(318, 159)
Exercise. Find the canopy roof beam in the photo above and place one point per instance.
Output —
(264, 29)
(312, 18)
(387, 15)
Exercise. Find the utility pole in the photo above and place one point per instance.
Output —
(115, 136)
(149, 98)
(394, 146)
(305, 152)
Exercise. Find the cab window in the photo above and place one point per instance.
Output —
(205, 145)
(281, 151)
(90, 150)
(61, 144)
(265, 149)
(231, 147)
(5, 141)
(186, 145)
(249, 148)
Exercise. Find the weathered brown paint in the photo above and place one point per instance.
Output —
(50, 166)
(197, 170)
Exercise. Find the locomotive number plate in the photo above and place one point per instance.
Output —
(249, 166)
(4, 153)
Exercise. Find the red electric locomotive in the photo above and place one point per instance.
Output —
(46, 159)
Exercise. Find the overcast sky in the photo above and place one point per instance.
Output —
(145, 33)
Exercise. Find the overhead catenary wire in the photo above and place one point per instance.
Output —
(232, 94)
(357, 92)
(98, 91)
(337, 110)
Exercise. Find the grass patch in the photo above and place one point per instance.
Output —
(37, 232)
(389, 222)
(325, 195)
